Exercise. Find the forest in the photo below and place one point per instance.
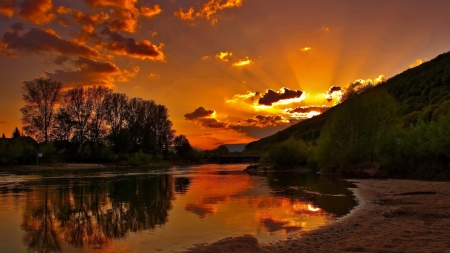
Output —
(92, 125)
(399, 128)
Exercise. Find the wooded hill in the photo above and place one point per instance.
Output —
(422, 94)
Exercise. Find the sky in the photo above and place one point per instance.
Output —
(229, 71)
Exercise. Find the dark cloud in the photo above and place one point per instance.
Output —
(308, 109)
(3, 121)
(7, 8)
(38, 12)
(129, 46)
(17, 27)
(200, 112)
(212, 123)
(200, 209)
(38, 40)
(274, 225)
(272, 96)
(334, 89)
(61, 59)
(90, 72)
(266, 120)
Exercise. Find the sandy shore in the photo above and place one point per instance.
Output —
(392, 216)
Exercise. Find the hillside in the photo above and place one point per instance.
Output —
(422, 93)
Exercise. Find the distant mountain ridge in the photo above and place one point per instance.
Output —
(235, 147)
(422, 93)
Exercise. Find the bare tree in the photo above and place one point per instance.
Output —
(97, 126)
(40, 97)
(115, 106)
(78, 105)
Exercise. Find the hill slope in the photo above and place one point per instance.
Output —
(423, 93)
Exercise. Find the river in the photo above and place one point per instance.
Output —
(166, 210)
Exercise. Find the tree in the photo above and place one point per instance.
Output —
(354, 132)
(63, 125)
(115, 106)
(97, 126)
(78, 104)
(40, 97)
(181, 145)
(16, 133)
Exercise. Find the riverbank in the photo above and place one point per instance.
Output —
(392, 216)
(83, 166)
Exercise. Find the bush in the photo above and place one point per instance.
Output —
(287, 154)
(139, 159)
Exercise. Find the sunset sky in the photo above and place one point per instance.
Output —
(229, 71)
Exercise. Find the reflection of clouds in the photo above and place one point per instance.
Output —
(200, 209)
(212, 200)
(273, 225)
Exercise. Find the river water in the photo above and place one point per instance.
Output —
(163, 210)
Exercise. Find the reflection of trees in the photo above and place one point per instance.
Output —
(182, 185)
(329, 194)
(40, 225)
(95, 212)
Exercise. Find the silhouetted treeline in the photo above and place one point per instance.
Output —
(365, 137)
(94, 124)
(399, 128)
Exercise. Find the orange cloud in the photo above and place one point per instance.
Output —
(243, 62)
(90, 72)
(38, 40)
(150, 11)
(7, 8)
(88, 24)
(208, 10)
(224, 56)
(416, 63)
(129, 46)
(125, 13)
(38, 12)
(63, 10)
(153, 75)
(306, 49)
(125, 19)
(189, 15)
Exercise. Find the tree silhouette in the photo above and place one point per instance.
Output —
(40, 97)
(16, 133)
(181, 145)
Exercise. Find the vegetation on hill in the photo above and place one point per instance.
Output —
(400, 127)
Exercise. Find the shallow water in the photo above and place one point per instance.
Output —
(169, 210)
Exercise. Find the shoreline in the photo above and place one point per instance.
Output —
(391, 216)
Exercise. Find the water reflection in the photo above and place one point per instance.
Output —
(94, 212)
(331, 195)
(168, 209)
